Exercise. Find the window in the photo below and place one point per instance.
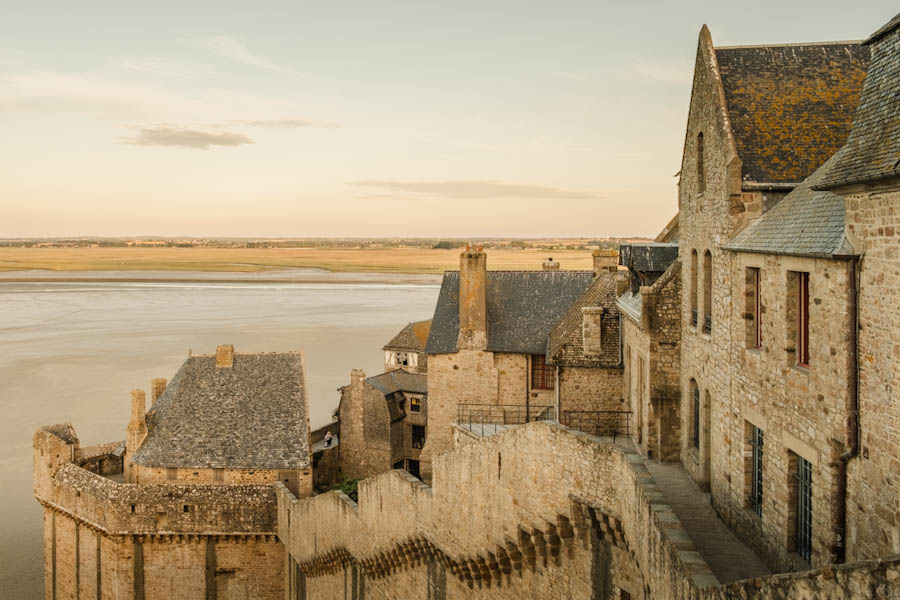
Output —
(418, 436)
(415, 404)
(694, 291)
(701, 174)
(707, 292)
(753, 307)
(803, 320)
(403, 359)
(756, 469)
(695, 428)
(541, 373)
(803, 507)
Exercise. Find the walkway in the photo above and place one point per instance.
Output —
(727, 557)
(320, 445)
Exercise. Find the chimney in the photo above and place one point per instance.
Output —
(137, 426)
(356, 377)
(157, 387)
(472, 299)
(225, 356)
(605, 261)
(551, 265)
(622, 283)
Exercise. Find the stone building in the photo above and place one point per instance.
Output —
(382, 422)
(487, 349)
(185, 507)
(407, 349)
(585, 350)
(866, 173)
(651, 346)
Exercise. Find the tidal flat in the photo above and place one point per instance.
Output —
(72, 351)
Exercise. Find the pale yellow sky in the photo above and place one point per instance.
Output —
(356, 119)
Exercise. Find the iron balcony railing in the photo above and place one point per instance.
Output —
(610, 423)
(693, 318)
(486, 419)
(707, 324)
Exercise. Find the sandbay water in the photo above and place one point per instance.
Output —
(72, 351)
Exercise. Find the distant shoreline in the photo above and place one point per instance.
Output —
(388, 279)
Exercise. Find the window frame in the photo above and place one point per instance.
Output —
(757, 440)
(803, 319)
(542, 374)
(417, 441)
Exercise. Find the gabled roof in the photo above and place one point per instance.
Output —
(250, 416)
(399, 380)
(805, 223)
(566, 345)
(872, 152)
(790, 106)
(412, 337)
(522, 308)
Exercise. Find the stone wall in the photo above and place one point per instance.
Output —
(590, 389)
(300, 480)
(505, 517)
(873, 219)
(474, 377)
(801, 411)
(150, 540)
(652, 352)
(365, 438)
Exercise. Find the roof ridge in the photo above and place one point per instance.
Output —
(790, 44)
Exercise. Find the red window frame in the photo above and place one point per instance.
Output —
(542, 376)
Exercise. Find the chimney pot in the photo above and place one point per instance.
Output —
(551, 265)
(225, 356)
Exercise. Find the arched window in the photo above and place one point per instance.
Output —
(707, 292)
(693, 291)
(701, 175)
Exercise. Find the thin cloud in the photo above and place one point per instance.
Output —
(162, 68)
(287, 123)
(165, 134)
(476, 189)
(236, 50)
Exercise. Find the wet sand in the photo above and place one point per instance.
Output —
(71, 351)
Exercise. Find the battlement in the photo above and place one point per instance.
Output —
(492, 513)
(76, 481)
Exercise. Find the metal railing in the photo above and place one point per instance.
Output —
(486, 419)
(707, 324)
(610, 423)
(694, 318)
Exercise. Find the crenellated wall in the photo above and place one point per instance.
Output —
(492, 526)
(149, 541)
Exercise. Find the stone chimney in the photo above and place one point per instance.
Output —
(605, 261)
(157, 387)
(356, 377)
(622, 283)
(137, 426)
(225, 356)
(551, 265)
(472, 299)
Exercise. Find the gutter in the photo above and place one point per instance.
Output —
(853, 423)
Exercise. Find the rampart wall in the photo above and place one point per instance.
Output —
(108, 539)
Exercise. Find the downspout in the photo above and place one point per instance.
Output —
(853, 423)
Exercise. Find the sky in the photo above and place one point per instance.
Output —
(362, 119)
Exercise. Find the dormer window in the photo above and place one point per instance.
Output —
(701, 175)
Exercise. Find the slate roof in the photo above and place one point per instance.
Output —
(566, 345)
(805, 223)
(649, 258)
(790, 106)
(872, 152)
(412, 337)
(522, 308)
(64, 431)
(399, 380)
(250, 416)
